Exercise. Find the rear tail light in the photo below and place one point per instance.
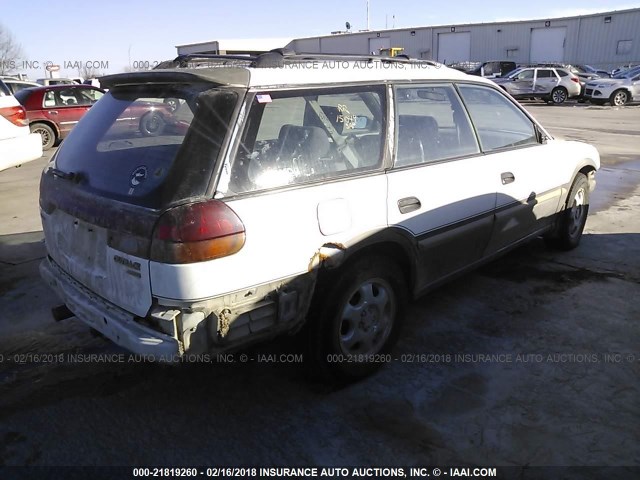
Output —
(197, 232)
(16, 115)
(575, 79)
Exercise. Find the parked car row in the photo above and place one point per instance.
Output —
(555, 82)
(618, 90)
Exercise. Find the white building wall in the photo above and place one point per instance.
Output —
(588, 39)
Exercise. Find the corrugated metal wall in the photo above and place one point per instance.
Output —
(589, 40)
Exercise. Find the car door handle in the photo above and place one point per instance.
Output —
(507, 177)
(53, 112)
(409, 204)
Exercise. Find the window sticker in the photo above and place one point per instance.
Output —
(345, 117)
(264, 98)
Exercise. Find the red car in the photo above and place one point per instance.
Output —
(54, 110)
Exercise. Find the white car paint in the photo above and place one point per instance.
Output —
(17, 144)
(601, 89)
(289, 229)
(284, 231)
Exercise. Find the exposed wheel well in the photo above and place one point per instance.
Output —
(49, 124)
(389, 249)
(586, 169)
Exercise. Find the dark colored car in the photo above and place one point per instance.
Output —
(493, 69)
(54, 110)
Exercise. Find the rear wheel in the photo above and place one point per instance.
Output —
(152, 124)
(619, 98)
(46, 133)
(558, 95)
(574, 217)
(356, 321)
(172, 103)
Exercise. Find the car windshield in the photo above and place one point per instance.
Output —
(149, 145)
(628, 73)
(512, 73)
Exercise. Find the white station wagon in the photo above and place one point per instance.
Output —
(290, 191)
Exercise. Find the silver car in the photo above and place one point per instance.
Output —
(620, 89)
(551, 84)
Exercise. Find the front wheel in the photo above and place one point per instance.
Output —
(357, 320)
(619, 98)
(574, 217)
(558, 95)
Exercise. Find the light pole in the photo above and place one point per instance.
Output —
(367, 14)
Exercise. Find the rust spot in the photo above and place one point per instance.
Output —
(321, 254)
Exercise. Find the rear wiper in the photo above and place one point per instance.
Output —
(64, 175)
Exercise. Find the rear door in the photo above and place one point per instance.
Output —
(442, 192)
(545, 81)
(61, 107)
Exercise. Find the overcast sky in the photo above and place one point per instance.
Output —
(119, 31)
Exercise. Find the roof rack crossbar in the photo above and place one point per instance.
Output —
(280, 57)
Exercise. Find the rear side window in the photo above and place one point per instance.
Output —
(305, 136)
(545, 74)
(149, 145)
(499, 123)
(562, 73)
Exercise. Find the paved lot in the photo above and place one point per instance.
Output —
(532, 360)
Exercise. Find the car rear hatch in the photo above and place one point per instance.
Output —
(143, 149)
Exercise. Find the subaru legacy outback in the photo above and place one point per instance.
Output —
(294, 194)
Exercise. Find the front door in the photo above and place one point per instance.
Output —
(528, 188)
(442, 192)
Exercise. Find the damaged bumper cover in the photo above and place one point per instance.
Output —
(113, 322)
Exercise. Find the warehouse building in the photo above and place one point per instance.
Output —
(246, 46)
(604, 40)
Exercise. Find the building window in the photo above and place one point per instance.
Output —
(607, 19)
(512, 52)
(624, 47)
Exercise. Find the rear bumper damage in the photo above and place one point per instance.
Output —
(113, 322)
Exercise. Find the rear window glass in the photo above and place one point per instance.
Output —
(149, 145)
(23, 95)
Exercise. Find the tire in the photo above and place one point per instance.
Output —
(558, 95)
(46, 133)
(152, 124)
(357, 318)
(172, 103)
(573, 218)
(619, 98)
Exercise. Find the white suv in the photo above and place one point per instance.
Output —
(288, 192)
(17, 144)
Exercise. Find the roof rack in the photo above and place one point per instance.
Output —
(278, 58)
